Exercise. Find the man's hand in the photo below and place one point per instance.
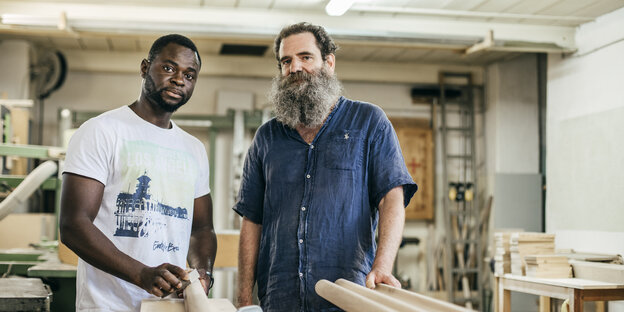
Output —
(163, 279)
(391, 220)
(377, 276)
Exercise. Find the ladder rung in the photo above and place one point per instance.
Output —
(461, 212)
(466, 241)
(462, 299)
(459, 156)
(457, 129)
(465, 270)
(451, 74)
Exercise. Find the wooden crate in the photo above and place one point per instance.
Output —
(416, 141)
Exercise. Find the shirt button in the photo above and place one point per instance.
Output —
(302, 208)
(308, 176)
(300, 241)
(311, 146)
(300, 274)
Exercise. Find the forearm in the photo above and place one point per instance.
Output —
(391, 221)
(202, 248)
(247, 260)
(91, 245)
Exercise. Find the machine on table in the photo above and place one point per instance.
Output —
(24, 294)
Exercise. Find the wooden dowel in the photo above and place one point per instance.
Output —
(346, 299)
(380, 297)
(431, 304)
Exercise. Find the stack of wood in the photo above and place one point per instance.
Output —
(547, 266)
(529, 243)
(502, 256)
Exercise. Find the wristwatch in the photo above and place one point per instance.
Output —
(209, 275)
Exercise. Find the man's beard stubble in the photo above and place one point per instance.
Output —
(156, 96)
(304, 98)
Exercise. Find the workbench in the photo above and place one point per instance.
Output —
(576, 290)
(61, 278)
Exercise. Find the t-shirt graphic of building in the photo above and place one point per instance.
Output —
(138, 214)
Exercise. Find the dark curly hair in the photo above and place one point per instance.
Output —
(163, 41)
(324, 42)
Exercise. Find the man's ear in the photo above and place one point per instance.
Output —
(144, 67)
(330, 59)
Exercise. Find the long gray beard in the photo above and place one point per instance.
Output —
(303, 98)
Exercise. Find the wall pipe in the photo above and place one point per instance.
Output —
(23, 191)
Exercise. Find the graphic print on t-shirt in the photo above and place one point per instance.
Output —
(155, 200)
(139, 214)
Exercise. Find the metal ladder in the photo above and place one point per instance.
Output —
(461, 214)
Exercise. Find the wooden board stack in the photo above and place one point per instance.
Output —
(547, 266)
(502, 257)
(529, 243)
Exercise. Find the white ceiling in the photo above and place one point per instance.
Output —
(399, 31)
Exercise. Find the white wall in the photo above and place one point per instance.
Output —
(15, 64)
(585, 122)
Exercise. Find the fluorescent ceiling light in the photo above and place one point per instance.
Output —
(338, 7)
(28, 20)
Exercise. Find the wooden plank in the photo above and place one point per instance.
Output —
(576, 283)
(603, 294)
(612, 273)
(538, 289)
(19, 123)
(504, 297)
(19, 230)
(66, 255)
(227, 253)
(544, 304)
(576, 302)
(415, 138)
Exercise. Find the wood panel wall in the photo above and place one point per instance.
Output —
(416, 139)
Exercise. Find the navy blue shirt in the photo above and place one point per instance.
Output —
(317, 203)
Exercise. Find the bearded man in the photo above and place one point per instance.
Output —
(317, 180)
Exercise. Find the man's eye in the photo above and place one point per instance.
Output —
(285, 62)
(307, 57)
(190, 77)
(167, 68)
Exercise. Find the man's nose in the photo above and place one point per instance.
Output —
(178, 78)
(295, 66)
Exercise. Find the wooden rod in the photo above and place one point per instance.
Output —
(348, 300)
(412, 298)
(380, 297)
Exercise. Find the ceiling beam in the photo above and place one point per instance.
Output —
(262, 23)
(261, 67)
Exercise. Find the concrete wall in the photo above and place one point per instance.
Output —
(513, 143)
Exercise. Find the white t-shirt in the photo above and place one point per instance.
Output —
(151, 177)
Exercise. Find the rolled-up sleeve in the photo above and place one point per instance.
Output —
(250, 201)
(387, 168)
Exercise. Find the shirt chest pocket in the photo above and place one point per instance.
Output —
(344, 150)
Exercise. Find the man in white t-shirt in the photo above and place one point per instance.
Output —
(136, 205)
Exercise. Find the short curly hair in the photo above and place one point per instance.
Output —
(161, 42)
(324, 42)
